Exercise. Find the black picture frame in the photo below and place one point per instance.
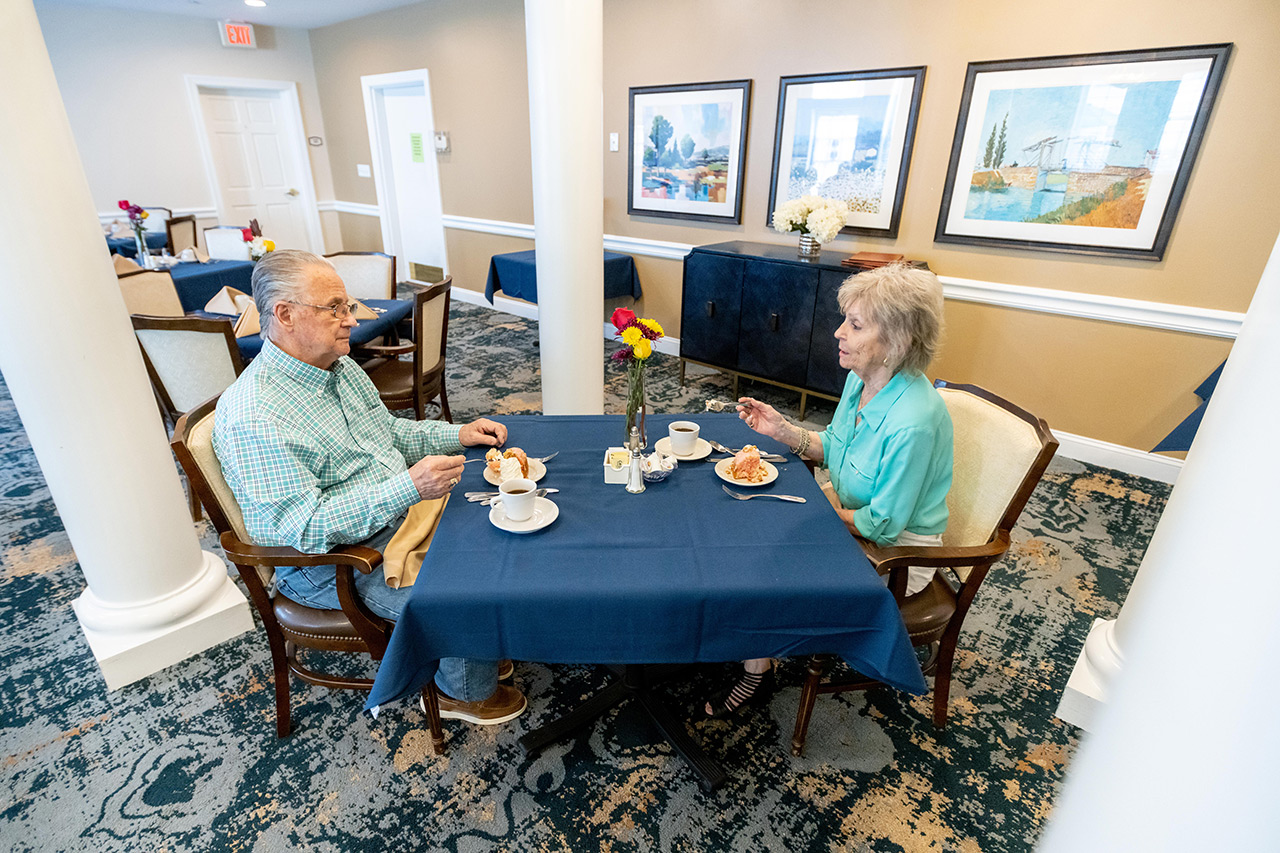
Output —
(692, 186)
(1090, 156)
(880, 174)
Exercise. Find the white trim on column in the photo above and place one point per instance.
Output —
(1209, 322)
(288, 93)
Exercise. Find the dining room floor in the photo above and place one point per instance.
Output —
(188, 759)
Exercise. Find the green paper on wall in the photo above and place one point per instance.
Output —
(415, 147)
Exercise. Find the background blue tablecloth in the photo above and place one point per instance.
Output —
(516, 274)
(364, 332)
(198, 283)
(679, 573)
(156, 240)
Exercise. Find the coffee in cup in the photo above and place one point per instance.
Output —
(517, 498)
(683, 436)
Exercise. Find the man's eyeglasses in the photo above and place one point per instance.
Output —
(341, 311)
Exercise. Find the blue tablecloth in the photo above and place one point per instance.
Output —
(127, 246)
(1184, 433)
(680, 573)
(198, 283)
(516, 274)
(364, 332)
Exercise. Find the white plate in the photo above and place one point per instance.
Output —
(544, 512)
(536, 472)
(722, 471)
(701, 449)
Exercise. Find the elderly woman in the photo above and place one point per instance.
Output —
(889, 445)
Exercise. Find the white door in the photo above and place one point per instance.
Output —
(257, 172)
(401, 133)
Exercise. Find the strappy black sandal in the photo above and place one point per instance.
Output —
(752, 688)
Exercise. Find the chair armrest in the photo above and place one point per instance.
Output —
(384, 351)
(935, 556)
(362, 559)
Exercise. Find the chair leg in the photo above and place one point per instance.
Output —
(419, 406)
(444, 402)
(431, 703)
(280, 666)
(808, 695)
(193, 500)
(942, 685)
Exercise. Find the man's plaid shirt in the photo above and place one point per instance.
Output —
(313, 456)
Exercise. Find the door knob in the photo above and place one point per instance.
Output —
(291, 192)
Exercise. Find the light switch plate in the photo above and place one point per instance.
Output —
(442, 142)
(613, 142)
(363, 171)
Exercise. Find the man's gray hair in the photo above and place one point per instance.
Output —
(281, 276)
(906, 303)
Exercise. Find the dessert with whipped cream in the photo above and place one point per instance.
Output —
(509, 464)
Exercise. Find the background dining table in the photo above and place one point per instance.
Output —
(128, 247)
(516, 274)
(197, 283)
(679, 573)
(390, 312)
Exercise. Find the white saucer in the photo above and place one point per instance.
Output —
(722, 471)
(536, 472)
(544, 512)
(701, 449)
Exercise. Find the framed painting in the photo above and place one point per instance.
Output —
(847, 136)
(1085, 154)
(687, 151)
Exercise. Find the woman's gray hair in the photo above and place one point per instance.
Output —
(281, 276)
(906, 303)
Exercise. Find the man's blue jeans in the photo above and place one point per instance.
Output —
(461, 678)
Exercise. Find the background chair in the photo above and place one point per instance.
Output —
(289, 625)
(182, 234)
(226, 243)
(402, 384)
(1001, 451)
(156, 219)
(367, 275)
(150, 292)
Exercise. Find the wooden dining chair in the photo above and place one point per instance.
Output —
(290, 626)
(404, 384)
(157, 218)
(150, 292)
(1001, 451)
(181, 231)
(225, 242)
(367, 275)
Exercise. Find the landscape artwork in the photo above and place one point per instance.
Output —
(848, 137)
(687, 150)
(1089, 157)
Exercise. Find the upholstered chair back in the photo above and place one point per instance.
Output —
(192, 365)
(367, 275)
(435, 327)
(182, 234)
(226, 243)
(199, 442)
(150, 292)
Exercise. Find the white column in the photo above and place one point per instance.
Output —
(72, 364)
(1183, 754)
(565, 46)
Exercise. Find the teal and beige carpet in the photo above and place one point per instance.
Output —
(188, 759)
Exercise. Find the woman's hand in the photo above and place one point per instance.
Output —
(764, 419)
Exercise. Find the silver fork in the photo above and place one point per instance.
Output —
(740, 496)
(531, 458)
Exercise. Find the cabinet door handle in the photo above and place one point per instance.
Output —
(711, 308)
(773, 322)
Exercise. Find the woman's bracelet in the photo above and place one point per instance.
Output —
(799, 449)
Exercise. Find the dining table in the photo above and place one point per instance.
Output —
(128, 247)
(516, 274)
(679, 573)
(197, 282)
(390, 312)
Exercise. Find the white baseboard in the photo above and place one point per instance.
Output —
(1140, 463)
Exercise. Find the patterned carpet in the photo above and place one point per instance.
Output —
(188, 759)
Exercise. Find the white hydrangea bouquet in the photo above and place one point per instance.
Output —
(817, 219)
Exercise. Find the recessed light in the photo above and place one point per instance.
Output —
(255, 2)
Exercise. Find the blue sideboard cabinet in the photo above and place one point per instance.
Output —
(760, 311)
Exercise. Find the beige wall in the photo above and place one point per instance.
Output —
(121, 77)
(1116, 383)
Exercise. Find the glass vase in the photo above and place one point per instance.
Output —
(635, 402)
(144, 254)
(809, 247)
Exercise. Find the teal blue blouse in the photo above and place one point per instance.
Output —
(891, 462)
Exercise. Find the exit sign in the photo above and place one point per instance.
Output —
(236, 35)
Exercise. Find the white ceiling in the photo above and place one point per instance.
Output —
(303, 14)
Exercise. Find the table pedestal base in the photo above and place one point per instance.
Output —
(634, 684)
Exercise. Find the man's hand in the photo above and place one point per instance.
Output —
(483, 431)
(435, 476)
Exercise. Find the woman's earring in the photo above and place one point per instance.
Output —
(886, 361)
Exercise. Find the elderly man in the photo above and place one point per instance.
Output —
(316, 460)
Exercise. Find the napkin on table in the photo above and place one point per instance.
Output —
(228, 300)
(123, 264)
(402, 558)
(363, 312)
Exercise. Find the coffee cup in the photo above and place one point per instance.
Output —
(683, 436)
(517, 498)
(188, 254)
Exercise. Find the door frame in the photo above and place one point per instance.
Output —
(295, 130)
(388, 212)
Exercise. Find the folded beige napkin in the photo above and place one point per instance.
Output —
(249, 322)
(363, 312)
(228, 300)
(403, 555)
(201, 255)
(123, 264)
